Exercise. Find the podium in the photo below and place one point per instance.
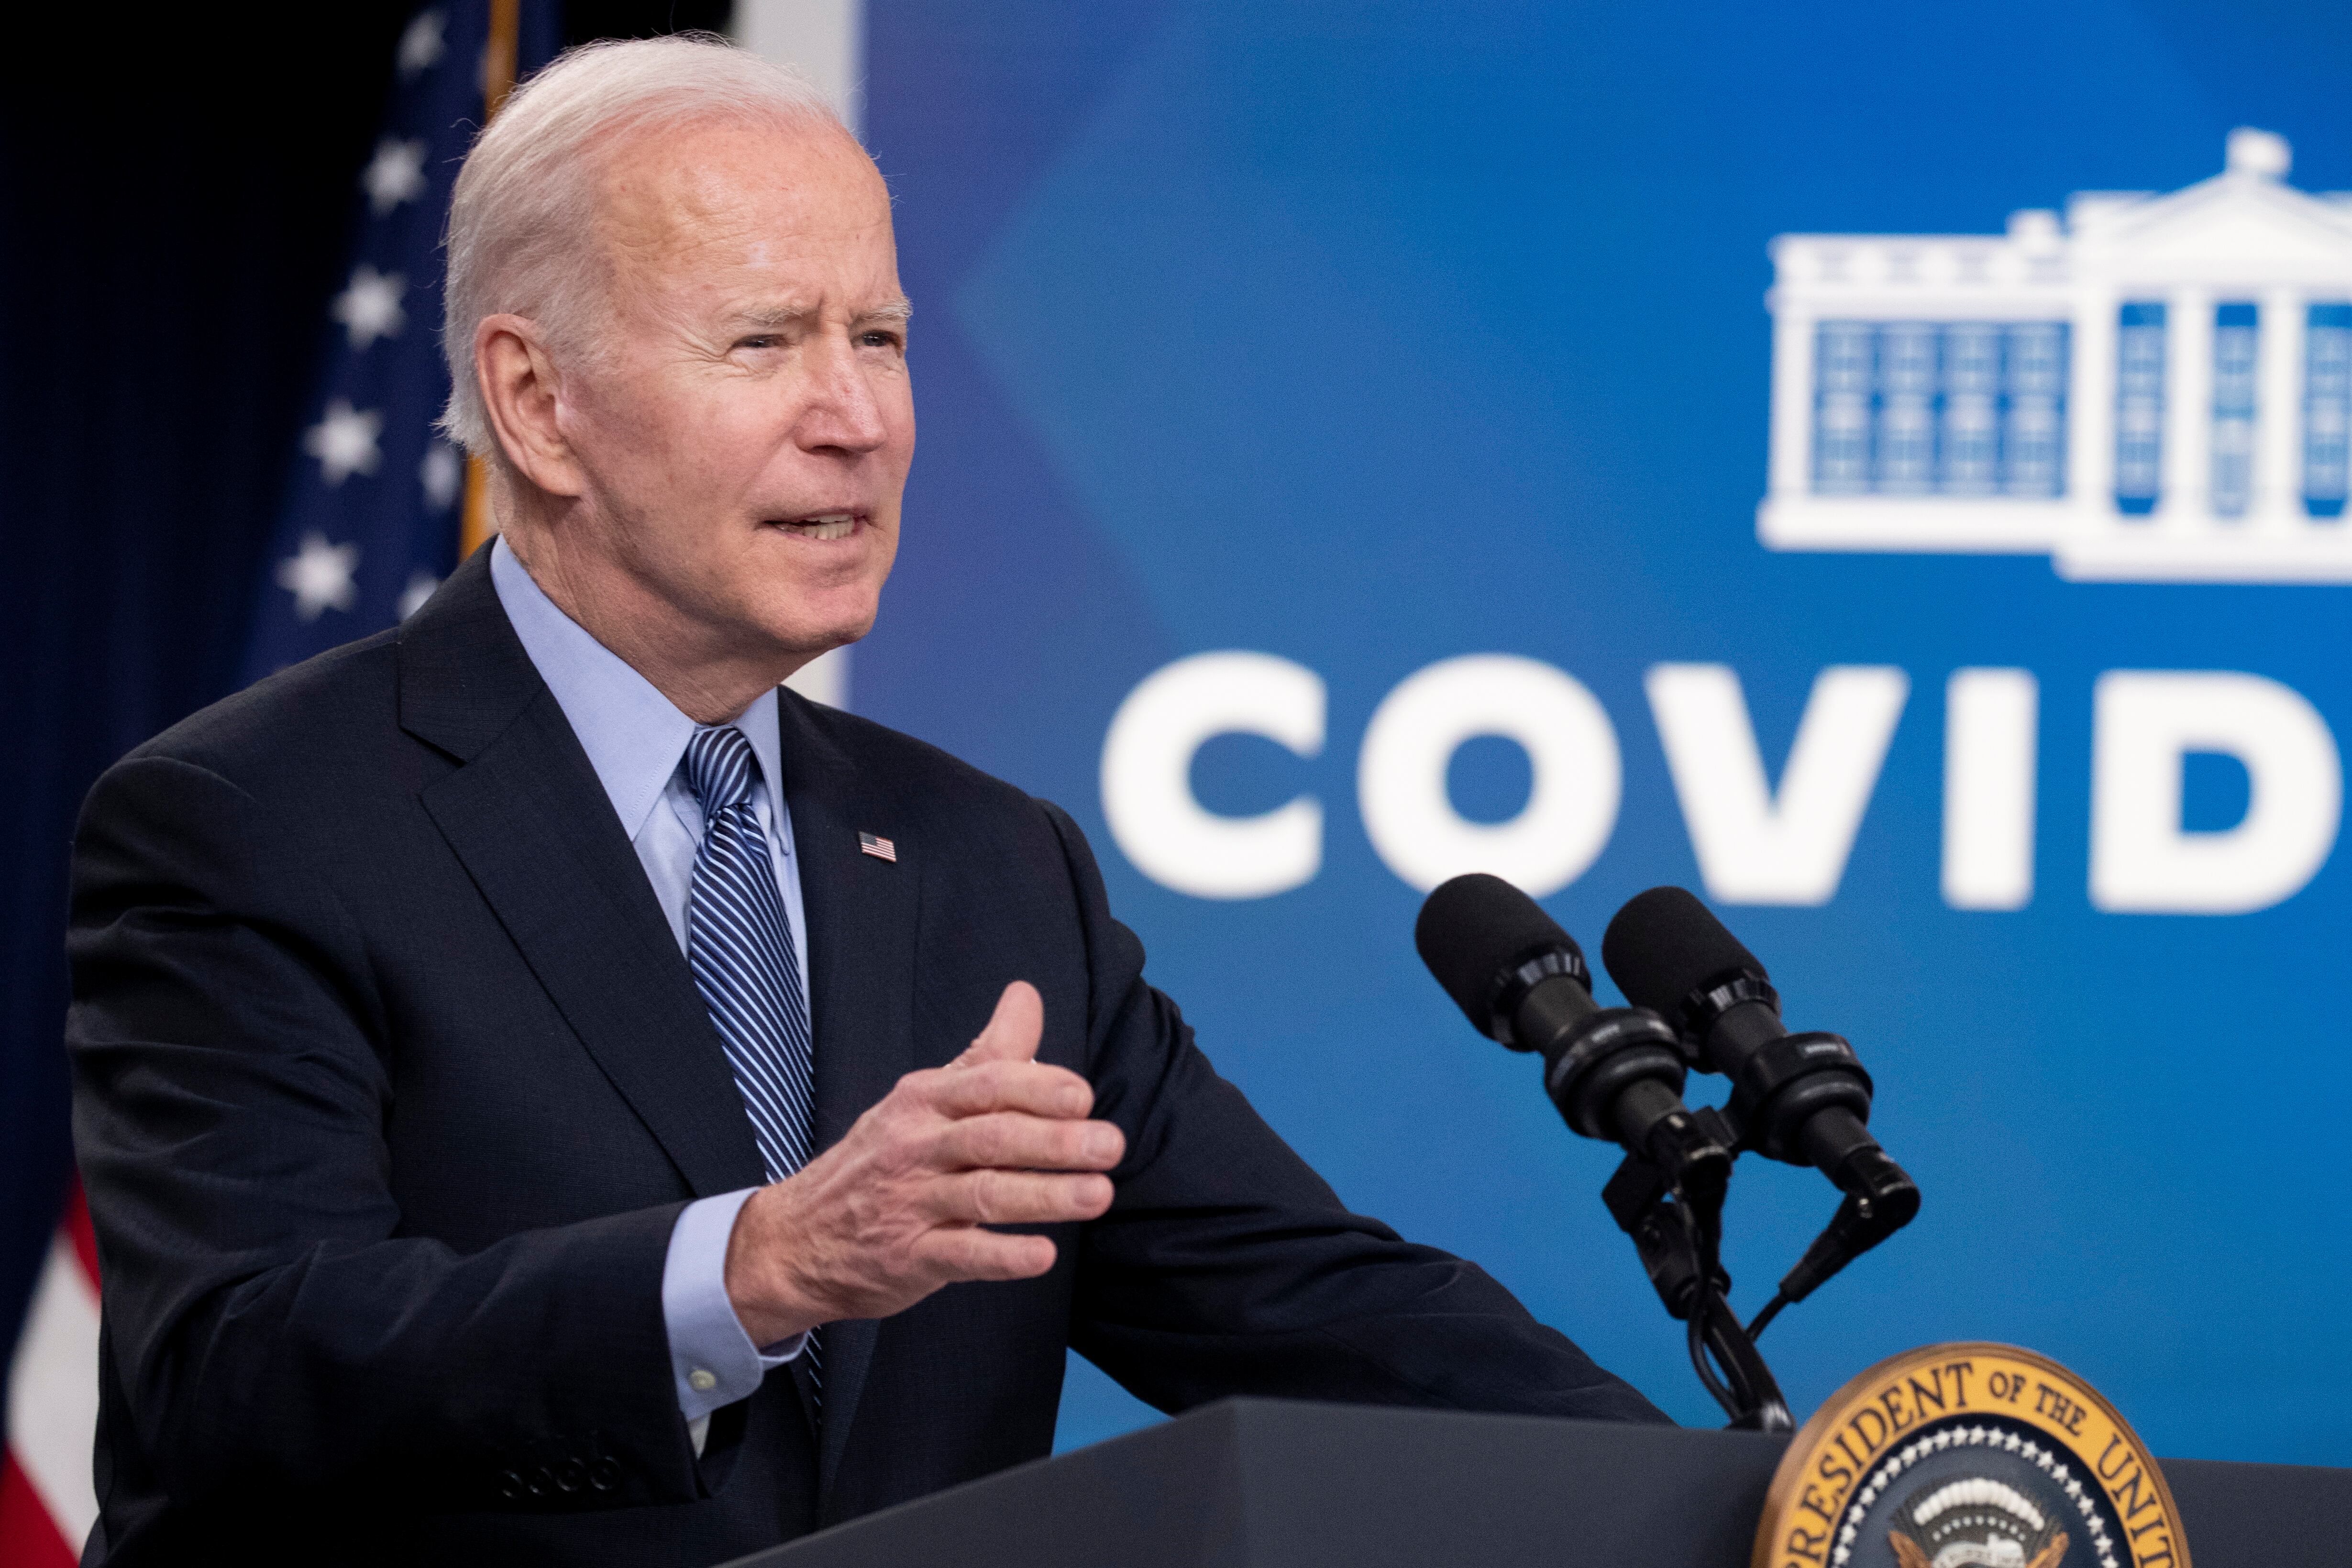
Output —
(1251, 1483)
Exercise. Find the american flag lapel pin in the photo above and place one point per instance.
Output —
(879, 848)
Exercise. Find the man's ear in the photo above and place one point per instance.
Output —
(523, 395)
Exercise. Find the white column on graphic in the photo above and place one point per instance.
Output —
(1990, 730)
(1791, 455)
(2278, 412)
(826, 41)
(2187, 502)
(2091, 412)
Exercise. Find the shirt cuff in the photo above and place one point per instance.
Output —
(713, 1360)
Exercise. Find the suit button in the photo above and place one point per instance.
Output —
(605, 1475)
(510, 1485)
(571, 1475)
(541, 1482)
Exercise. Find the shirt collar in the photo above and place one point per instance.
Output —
(633, 734)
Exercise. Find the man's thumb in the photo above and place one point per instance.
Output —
(1013, 1029)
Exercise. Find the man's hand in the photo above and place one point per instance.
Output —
(898, 1207)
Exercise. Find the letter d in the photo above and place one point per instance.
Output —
(2147, 721)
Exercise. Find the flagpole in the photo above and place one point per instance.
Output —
(477, 525)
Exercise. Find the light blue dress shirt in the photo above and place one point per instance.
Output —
(635, 738)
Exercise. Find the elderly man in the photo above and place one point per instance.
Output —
(548, 1095)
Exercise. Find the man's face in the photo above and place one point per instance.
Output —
(745, 440)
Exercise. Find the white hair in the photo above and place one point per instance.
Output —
(520, 219)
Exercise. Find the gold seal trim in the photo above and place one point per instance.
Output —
(1940, 1386)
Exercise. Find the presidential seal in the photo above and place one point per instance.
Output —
(1968, 1456)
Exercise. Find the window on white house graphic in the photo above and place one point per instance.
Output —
(1956, 408)
(2237, 327)
(2139, 408)
(2327, 408)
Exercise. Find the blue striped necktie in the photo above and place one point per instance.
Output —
(740, 946)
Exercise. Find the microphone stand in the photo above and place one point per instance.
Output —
(1674, 1216)
(1677, 1227)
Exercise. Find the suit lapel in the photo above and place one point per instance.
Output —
(535, 831)
(862, 917)
(525, 815)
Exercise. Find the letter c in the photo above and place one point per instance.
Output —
(1147, 763)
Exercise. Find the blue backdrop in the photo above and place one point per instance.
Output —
(1370, 335)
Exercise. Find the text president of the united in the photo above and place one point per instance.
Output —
(528, 1115)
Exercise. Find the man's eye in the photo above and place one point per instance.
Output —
(877, 340)
(766, 341)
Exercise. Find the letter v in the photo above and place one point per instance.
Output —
(1752, 847)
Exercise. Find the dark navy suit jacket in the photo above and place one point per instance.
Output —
(390, 1080)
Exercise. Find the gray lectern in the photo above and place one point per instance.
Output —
(1259, 1484)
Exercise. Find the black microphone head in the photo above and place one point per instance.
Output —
(1474, 933)
(1664, 945)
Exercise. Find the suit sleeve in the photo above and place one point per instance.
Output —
(267, 1321)
(1225, 1266)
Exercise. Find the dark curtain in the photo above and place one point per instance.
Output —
(175, 183)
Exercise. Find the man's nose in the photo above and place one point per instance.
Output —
(842, 414)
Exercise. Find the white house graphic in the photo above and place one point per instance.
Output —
(2158, 389)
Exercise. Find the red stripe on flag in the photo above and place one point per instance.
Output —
(28, 1537)
(76, 1226)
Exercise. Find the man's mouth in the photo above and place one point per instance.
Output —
(822, 525)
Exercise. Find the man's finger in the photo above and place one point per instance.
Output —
(968, 1252)
(976, 1088)
(1012, 1141)
(1013, 1029)
(1018, 1197)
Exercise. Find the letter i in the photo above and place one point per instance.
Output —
(1989, 722)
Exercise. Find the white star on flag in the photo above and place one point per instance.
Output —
(344, 441)
(396, 174)
(319, 576)
(421, 585)
(370, 308)
(421, 46)
(440, 473)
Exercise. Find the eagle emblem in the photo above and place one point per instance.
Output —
(1977, 1523)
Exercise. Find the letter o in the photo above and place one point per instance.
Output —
(1147, 763)
(1571, 749)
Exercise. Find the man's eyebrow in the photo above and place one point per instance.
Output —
(770, 316)
(774, 317)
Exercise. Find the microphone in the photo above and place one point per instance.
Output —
(1803, 1098)
(1613, 1073)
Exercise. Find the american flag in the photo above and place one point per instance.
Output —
(369, 526)
(48, 1499)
